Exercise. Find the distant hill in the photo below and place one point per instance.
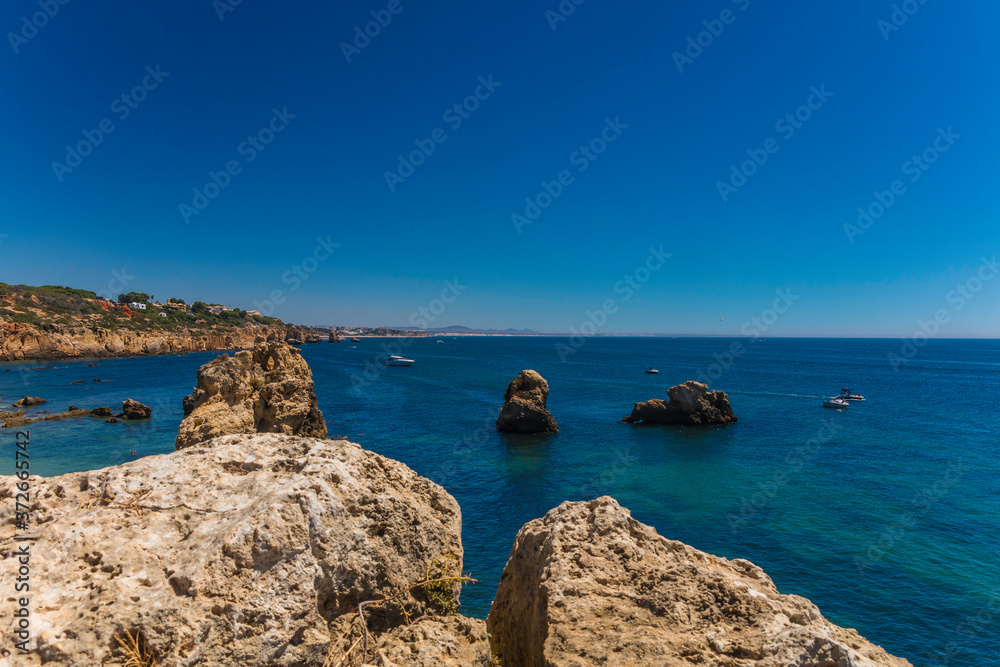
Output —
(469, 330)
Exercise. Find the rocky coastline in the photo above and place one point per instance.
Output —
(261, 542)
(20, 341)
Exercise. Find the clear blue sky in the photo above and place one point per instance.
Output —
(657, 184)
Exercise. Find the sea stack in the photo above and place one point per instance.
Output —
(265, 390)
(589, 585)
(690, 404)
(524, 408)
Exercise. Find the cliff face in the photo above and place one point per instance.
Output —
(29, 341)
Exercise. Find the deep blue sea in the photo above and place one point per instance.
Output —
(886, 515)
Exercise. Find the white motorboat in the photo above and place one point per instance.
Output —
(396, 360)
(652, 371)
(836, 403)
(846, 394)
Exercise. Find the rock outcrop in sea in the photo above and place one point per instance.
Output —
(524, 408)
(690, 404)
(28, 402)
(268, 389)
(135, 410)
(589, 585)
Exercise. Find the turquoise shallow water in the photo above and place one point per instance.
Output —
(887, 516)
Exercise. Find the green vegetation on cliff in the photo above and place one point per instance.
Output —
(51, 305)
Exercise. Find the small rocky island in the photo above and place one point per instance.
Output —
(283, 550)
(690, 404)
(524, 408)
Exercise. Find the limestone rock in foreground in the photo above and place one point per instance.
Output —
(587, 584)
(524, 408)
(265, 390)
(239, 551)
(446, 641)
(690, 404)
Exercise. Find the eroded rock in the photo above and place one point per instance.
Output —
(524, 408)
(265, 390)
(28, 402)
(444, 641)
(135, 410)
(689, 404)
(587, 584)
(238, 551)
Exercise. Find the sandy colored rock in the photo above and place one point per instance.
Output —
(240, 551)
(28, 341)
(690, 404)
(587, 584)
(28, 402)
(135, 410)
(265, 390)
(443, 641)
(524, 408)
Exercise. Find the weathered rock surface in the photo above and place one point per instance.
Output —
(690, 404)
(240, 551)
(135, 410)
(524, 408)
(28, 402)
(265, 390)
(445, 641)
(101, 412)
(587, 584)
(28, 341)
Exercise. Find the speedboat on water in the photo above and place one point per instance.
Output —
(396, 360)
(652, 371)
(846, 394)
(837, 403)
